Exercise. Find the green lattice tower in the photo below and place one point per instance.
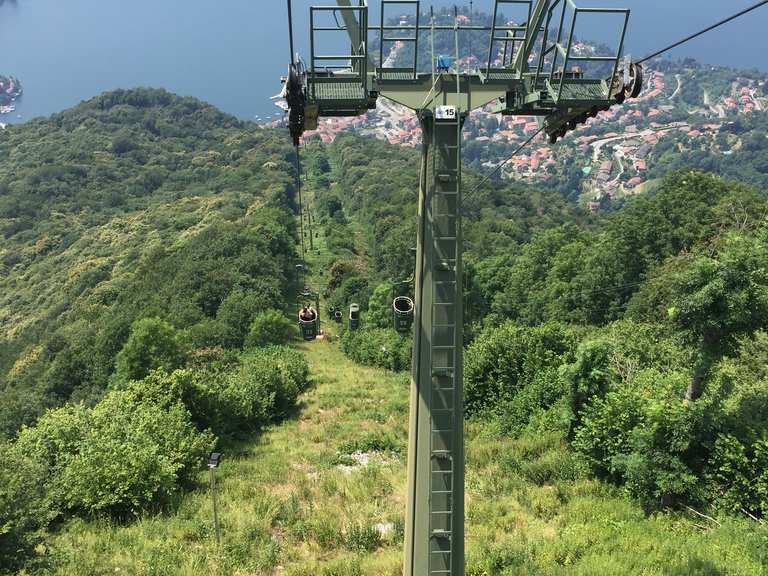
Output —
(434, 539)
(435, 514)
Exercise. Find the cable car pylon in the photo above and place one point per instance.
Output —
(561, 95)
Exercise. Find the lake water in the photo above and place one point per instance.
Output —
(232, 52)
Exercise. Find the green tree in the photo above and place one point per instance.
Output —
(133, 454)
(380, 306)
(237, 313)
(32, 493)
(719, 297)
(153, 344)
(502, 362)
(265, 386)
(269, 328)
(643, 436)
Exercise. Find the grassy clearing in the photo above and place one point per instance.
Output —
(294, 498)
(297, 501)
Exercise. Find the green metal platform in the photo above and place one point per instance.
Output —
(576, 92)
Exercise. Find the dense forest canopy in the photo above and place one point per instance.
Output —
(134, 204)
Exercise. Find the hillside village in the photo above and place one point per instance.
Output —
(678, 104)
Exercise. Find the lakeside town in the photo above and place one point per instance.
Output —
(679, 107)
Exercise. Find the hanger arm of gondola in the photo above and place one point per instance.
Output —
(538, 16)
(353, 29)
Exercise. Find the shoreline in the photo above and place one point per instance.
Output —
(11, 90)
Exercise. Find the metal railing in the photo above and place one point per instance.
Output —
(558, 50)
(507, 39)
(516, 40)
(357, 61)
(383, 38)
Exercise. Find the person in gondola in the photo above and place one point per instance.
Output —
(307, 314)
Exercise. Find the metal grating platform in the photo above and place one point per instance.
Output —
(578, 90)
(395, 74)
(339, 91)
(501, 74)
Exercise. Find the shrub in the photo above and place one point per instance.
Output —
(140, 444)
(380, 347)
(380, 307)
(742, 384)
(236, 314)
(27, 504)
(202, 393)
(260, 388)
(503, 363)
(642, 434)
(736, 470)
(635, 428)
(738, 475)
(153, 344)
(134, 454)
(270, 327)
(47, 447)
(266, 386)
(615, 355)
(125, 454)
(538, 403)
(352, 289)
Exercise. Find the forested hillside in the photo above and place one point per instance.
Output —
(148, 255)
(616, 380)
(132, 205)
(638, 336)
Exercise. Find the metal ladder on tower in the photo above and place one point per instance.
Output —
(445, 391)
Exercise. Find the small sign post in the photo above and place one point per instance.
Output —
(213, 462)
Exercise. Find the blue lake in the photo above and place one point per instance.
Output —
(232, 52)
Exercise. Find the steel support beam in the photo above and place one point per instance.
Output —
(475, 91)
(434, 531)
(353, 31)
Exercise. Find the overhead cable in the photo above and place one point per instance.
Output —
(702, 32)
(507, 161)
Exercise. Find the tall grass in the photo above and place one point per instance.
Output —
(289, 506)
